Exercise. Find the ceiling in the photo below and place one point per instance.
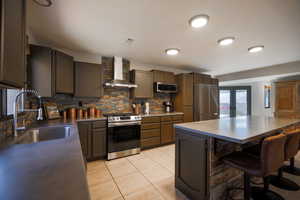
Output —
(102, 27)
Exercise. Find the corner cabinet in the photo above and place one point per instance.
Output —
(144, 80)
(287, 100)
(13, 40)
(93, 139)
(51, 71)
(88, 80)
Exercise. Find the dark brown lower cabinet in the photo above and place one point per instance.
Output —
(99, 142)
(93, 139)
(84, 129)
(167, 132)
(192, 165)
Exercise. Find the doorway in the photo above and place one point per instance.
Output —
(235, 101)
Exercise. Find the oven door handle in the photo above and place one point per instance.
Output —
(124, 124)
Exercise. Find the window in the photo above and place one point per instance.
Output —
(7, 101)
(267, 96)
(235, 101)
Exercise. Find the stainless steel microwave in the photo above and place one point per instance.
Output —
(165, 87)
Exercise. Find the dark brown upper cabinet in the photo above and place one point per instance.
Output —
(51, 71)
(64, 73)
(88, 80)
(144, 80)
(12, 67)
(164, 77)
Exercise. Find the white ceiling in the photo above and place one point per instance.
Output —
(102, 26)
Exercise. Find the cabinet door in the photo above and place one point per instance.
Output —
(187, 89)
(188, 113)
(158, 76)
(174, 130)
(214, 102)
(286, 97)
(84, 129)
(144, 80)
(99, 143)
(13, 42)
(169, 77)
(166, 132)
(41, 76)
(88, 80)
(64, 73)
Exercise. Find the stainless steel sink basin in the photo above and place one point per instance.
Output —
(46, 133)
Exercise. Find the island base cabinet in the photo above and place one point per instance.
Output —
(192, 165)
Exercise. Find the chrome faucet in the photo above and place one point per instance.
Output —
(16, 110)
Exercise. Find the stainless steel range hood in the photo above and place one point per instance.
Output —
(118, 80)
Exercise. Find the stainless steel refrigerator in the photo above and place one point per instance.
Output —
(206, 102)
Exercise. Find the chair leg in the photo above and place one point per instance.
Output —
(247, 187)
(292, 169)
(282, 182)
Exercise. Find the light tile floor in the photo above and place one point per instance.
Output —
(147, 176)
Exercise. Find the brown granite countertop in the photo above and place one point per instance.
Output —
(240, 129)
(52, 169)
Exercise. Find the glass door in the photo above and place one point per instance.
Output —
(235, 101)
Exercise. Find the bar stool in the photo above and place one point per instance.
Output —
(292, 169)
(290, 151)
(260, 166)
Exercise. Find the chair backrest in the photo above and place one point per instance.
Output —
(272, 153)
(292, 144)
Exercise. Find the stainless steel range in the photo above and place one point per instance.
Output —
(124, 134)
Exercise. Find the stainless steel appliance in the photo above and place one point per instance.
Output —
(165, 87)
(118, 80)
(123, 135)
(206, 102)
(168, 106)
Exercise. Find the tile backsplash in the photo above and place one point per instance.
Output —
(114, 99)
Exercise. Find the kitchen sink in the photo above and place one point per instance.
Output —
(46, 133)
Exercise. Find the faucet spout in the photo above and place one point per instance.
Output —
(39, 110)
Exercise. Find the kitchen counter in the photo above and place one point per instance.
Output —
(200, 172)
(161, 114)
(52, 169)
(240, 129)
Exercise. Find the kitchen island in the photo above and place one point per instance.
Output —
(200, 146)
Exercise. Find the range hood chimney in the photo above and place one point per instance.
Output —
(118, 80)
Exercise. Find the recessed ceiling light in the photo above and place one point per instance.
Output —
(199, 21)
(226, 41)
(172, 51)
(44, 3)
(256, 49)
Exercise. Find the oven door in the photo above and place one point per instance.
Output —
(123, 136)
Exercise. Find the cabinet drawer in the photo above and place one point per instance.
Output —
(177, 117)
(151, 126)
(151, 120)
(178, 122)
(99, 124)
(166, 118)
(150, 142)
(150, 133)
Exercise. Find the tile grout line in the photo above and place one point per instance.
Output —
(161, 165)
(114, 180)
(148, 180)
